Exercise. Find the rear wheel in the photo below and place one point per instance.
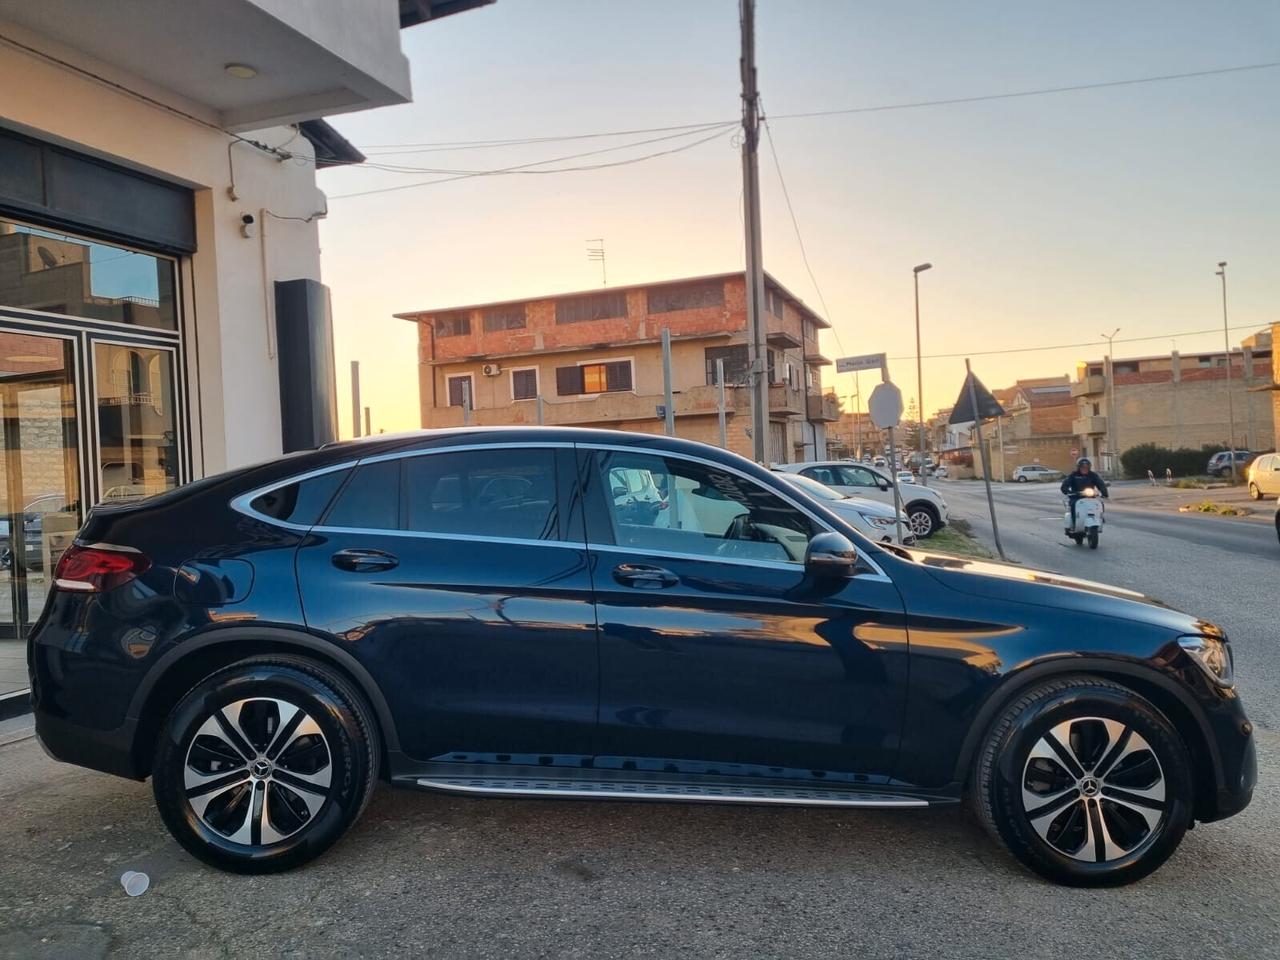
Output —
(1022, 479)
(924, 519)
(1093, 539)
(265, 764)
(1085, 782)
(1254, 492)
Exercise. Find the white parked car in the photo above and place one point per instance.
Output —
(871, 519)
(1035, 471)
(923, 505)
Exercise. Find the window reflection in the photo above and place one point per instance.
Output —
(137, 438)
(59, 273)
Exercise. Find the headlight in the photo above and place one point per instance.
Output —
(1213, 656)
(877, 521)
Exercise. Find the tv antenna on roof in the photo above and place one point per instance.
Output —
(597, 253)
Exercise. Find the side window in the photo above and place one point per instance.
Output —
(685, 507)
(300, 502)
(825, 475)
(371, 501)
(858, 477)
(487, 493)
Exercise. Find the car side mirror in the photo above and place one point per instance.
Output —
(882, 484)
(830, 555)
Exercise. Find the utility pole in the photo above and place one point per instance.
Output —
(751, 221)
(915, 275)
(1226, 343)
(668, 407)
(724, 433)
(1111, 399)
(355, 398)
(368, 428)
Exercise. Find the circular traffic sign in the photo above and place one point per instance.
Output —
(885, 406)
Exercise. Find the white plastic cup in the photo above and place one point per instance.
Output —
(135, 883)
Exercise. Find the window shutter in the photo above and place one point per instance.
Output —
(568, 381)
(618, 375)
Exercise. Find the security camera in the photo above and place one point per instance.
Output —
(248, 226)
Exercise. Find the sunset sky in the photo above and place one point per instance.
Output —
(1049, 219)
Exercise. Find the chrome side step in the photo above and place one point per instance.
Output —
(670, 790)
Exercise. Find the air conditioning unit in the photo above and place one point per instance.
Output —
(784, 373)
(491, 369)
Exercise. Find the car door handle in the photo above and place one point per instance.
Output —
(364, 561)
(644, 576)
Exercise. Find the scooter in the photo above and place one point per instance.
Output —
(1090, 516)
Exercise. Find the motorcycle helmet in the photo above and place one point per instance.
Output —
(1084, 462)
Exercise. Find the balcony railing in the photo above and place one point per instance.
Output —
(824, 406)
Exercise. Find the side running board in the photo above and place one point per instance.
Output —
(659, 790)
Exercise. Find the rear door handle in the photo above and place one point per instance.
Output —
(364, 561)
(644, 576)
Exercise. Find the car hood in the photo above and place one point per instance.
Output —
(1011, 582)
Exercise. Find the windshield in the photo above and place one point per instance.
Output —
(812, 487)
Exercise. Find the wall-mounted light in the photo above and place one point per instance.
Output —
(241, 71)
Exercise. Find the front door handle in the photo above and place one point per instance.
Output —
(644, 576)
(364, 561)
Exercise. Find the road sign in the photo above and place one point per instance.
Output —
(1075, 451)
(885, 406)
(868, 361)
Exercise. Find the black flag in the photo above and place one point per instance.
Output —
(988, 405)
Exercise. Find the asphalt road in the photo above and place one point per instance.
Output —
(1222, 569)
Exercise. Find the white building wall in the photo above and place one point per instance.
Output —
(228, 283)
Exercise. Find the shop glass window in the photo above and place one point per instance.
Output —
(137, 420)
(60, 273)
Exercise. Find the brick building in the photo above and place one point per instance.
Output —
(1036, 428)
(595, 359)
(1176, 400)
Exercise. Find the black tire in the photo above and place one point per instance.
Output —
(1254, 492)
(1022, 479)
(1014, 764)
(1078, 538)
(318, 776)
(925, 520)
(1093, 539)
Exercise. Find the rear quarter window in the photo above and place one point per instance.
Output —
(301, 502)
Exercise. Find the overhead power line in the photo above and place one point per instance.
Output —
(1073, 346)
(795, 223)
(522, 168)
(443, 145)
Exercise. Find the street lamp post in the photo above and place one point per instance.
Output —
(1226, 343)
(915, 276)
(1111, 400)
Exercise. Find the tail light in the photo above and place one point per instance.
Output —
(98, 568)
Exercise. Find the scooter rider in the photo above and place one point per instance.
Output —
(1074, 484)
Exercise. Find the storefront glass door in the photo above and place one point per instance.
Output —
(40, 506)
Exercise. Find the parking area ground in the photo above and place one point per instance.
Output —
(432, 876)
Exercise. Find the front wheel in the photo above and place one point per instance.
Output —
(265, 764)
(1085, 782)
(924, 519)
(1093, 539)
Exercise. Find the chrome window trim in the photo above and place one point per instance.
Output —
(241, 504)
(878, 575)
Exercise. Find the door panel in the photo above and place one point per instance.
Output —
(728, 654)
(480, 630)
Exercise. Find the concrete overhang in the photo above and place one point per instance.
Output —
(309, 58)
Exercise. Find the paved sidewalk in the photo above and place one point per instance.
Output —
(431, 876)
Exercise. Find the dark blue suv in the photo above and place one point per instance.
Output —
(486, 612)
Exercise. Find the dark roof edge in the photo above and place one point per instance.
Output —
(332, 148)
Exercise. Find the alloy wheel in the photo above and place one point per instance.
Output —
(921, 523)
(258, 770)
(1093, 789)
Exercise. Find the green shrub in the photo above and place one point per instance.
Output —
(1184, 462)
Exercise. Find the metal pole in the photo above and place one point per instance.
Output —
(857, 411)
(724, 433)
(355, 398)
(540, 420)
(893, 478)
(368, 428)
(668, 409)
(751, 221)
(1226, 343)
(915, 275)
(466, 403)
(982, 449)
(1111, 401)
